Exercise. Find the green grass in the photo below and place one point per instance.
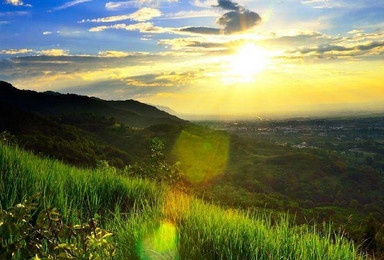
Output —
(71, 190)
(152, 222)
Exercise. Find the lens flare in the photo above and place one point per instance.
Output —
(202, 155)
(160, 244)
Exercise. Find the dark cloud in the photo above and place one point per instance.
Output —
(239, 18)
(207, 45)
(228, 5)
(200, 30)
(238, 21)
(331, 51)
(338, 49)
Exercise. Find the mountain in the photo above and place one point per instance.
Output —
(167, 109)
(128, 112)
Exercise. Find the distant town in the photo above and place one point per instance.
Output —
(363, 138)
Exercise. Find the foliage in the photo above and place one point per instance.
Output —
(157, 168)
(7, 138)
(48, 237)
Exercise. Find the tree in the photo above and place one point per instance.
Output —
(158, 168)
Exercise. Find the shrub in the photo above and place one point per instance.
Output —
(24, 236)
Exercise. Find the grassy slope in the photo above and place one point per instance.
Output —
(152, 222)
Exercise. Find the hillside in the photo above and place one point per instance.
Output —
(61, 141)
(81, 130)
(247, 172)
(129, 112)
(150, 221)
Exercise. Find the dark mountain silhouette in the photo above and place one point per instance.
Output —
(129, 112)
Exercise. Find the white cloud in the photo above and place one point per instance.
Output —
(17, 3)
(322, 3)
(53, 52)
(15, 51)
(15, 13)
(141, 27)
(145, 14)
(190, 14)
(14, 2)
(141, 15)
(149, 28)
(204, 3)
(67, 32)
(47, 33)
(119, 54)
(139, 3)
(70, 4)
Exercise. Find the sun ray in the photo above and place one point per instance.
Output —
(248, 61)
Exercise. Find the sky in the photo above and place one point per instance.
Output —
(204, 57)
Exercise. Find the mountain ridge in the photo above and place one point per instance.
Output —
(130, 112)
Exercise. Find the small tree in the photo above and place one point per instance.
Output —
(158, 168)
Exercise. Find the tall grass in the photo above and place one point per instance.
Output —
(151, 222)
(71, 190)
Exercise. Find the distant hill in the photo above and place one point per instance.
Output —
(129, 112)
(167, 109)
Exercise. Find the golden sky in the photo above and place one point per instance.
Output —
(201, 57)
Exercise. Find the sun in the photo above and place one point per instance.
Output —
(248, 61)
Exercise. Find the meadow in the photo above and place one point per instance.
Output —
(153, 221)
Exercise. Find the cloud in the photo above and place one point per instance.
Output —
(118, 5)
(303, 45)
(190, 14)
(47, 33)
(17, 3)
(145, 14)
(326, 4)
(120, 54)
(228, 5)
(164, 79)
(54, 52)
(200, 30)
(70, 4)
(67, 33)
(14, 2)
(141, 27)
(204, 3)
(238, 21)
(141, 15)
(132, 3)
(15, 13)
(332, 51)
(15, 51)
(131, 71)
(148, 27)
(346, 4)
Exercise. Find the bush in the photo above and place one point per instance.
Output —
(47, 236)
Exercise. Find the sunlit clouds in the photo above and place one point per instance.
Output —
(211, 57)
